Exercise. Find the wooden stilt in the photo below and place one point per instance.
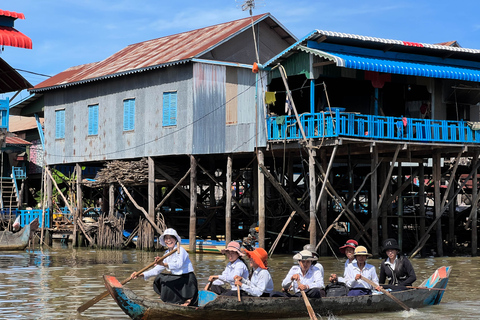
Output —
(374, 200)
(228, 203)
(192, 236)
(474, 206)
(151, 198)
(261, 199)
(437, 199)
(421, 198)
(313, 194)
(384, 180)
(324, 205)
(111, 199)
(400, 205)
(79, 211)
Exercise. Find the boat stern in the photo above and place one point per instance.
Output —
(126, 303)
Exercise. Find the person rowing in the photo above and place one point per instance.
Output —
(355, 272)
(180, 286)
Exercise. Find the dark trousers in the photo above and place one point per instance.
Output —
(177, 288)
(359, 292)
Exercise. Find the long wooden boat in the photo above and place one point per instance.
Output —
(205, 246)
(19, 240)
(212, 306)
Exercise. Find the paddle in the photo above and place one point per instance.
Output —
(90, 303)
(374, 285)
(311, 313)
(238, 294)
(209, 284)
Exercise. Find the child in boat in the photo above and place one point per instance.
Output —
(348, 249)
(355, 271)
(396, 268)
(305, 276)
(260, 284)
(180, 286)
(235, 267)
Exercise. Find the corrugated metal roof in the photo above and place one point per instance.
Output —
(156, 53)
(16, 141)
(395, 66)
(321, 36)
(19, 123)
(11, 80)
(11, 37)
(12, 14)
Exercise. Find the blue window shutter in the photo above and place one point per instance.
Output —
(169, 109)
(128, 114)
(93, 120)
(59, 124)
(173, 109)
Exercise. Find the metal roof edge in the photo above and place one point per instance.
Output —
(114, 75)
(223, 63)
(292, 47)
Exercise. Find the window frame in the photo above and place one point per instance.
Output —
(129, 114)
(169, 108)
(60, 124)
(93, 119)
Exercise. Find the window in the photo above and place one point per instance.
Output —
(93, 120)
(169, 109)
(128, 114)
(60, 124)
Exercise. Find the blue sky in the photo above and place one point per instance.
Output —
(67, 33)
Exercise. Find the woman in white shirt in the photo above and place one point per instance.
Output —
(235, 267)
(261, 283)
(180, 285)
(305, 276)
(355, 271)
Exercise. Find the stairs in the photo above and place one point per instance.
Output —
(9, 198)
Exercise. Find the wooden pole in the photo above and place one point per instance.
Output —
(44, 196)
(270, 252)
(192, 236)
(151, 198)
(324, 204)
(374, 200)
(313, 194)
(438, 211)
(421, 198)
(79, 211)
(111, 199)
(178, 184)
(384, 180)
(261, 199)
(474, 206)
(400, 205)
(228, 204)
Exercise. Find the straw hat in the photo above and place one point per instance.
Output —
(350, 244)
(305, 255)
(233, 246)
(169, 232)
(260, 256)
(362, 251)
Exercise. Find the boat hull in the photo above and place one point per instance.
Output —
(274, 308)
(10, 241)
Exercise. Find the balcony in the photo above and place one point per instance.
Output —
(355, 125)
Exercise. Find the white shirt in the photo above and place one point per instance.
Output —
(392, 265)
(178, 264)
(313, 278)
(342, 279)
(368, 272)
(261, 282)
(236, 268)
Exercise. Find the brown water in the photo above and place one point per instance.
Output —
(52, 284)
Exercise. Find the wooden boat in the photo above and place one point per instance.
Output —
(212, 306)
(205, 246)
(18, 240)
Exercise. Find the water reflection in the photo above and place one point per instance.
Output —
(52, 284)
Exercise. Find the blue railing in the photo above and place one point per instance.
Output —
(346, 124)
(27, 216)
(19, 172)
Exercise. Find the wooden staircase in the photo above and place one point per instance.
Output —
(9, 197)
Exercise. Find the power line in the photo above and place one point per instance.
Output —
(35, 73)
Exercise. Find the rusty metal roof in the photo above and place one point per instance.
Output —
(10, 79)
(11, 14)
(157, 53)
(16, 141)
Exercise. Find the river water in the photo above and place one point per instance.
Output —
(53, 283)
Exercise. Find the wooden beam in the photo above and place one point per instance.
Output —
(159, 206)
(228, 197)
(192, 235)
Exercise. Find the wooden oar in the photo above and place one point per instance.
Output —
(90, 303)
(311, 313)
(238, 294)
(426, 288)
(209, 284)
(374, 285)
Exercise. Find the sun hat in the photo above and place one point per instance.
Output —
(169, 232)
(311, 248)
(390, 244)
(233, 246)
(305, 255)
(260, 256)
(350, 244)
(362, 251)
